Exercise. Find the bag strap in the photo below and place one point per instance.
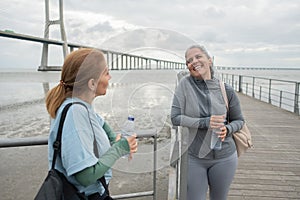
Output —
(224, 94)
(102, 179)
(57, 143)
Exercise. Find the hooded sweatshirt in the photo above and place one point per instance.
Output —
(193, 104)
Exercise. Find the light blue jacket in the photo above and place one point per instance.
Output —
(77, 149)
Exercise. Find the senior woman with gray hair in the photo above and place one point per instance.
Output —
(198, 105)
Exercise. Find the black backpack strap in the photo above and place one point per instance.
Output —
(57, 143)
(102, 180)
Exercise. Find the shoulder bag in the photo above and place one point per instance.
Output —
(242, 138)
(56, 186)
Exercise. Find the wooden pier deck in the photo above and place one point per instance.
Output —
(271, 170)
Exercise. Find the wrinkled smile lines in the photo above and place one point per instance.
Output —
(196, 68)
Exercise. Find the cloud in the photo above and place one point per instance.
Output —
(149, 37)
(101, 27)
(22, 18)
(232, 30)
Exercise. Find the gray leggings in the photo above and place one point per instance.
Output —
(215, 174)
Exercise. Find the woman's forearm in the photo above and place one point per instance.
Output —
(91, 174)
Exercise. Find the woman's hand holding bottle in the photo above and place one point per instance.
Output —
(133, 145)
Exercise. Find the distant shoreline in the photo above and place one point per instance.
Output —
(21, 69)
(257, 68)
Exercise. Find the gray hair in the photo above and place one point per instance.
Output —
(200, 47)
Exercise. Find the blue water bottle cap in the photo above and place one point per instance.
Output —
(130, 118)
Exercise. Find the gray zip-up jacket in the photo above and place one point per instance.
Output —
(193, 103)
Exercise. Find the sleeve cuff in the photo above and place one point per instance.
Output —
(123, 145)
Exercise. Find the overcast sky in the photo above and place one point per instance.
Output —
(236, 32)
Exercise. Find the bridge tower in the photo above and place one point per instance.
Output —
(44, 60)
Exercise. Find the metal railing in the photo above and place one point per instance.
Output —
(178, 163)
(281, 93)
(34, 141)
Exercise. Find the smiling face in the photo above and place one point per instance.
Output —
(198, 63)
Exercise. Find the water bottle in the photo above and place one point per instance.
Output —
(128, 129)
(215, 142)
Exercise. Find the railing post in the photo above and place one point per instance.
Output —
(112, 61)
(280, 98)
(107, 59)
(130, 62)
(253, 83)
(174, 163)
(121, 61)
(183, 164)
(296, 102)
(270, 85)
(148, 64)
(142, 63)
(117, 61)
(260, 88)
(134, 60)
(240, 83)
(154, 167)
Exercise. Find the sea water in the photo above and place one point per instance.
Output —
(22, 93)
(146, 93)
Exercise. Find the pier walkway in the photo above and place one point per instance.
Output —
(271, 170)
